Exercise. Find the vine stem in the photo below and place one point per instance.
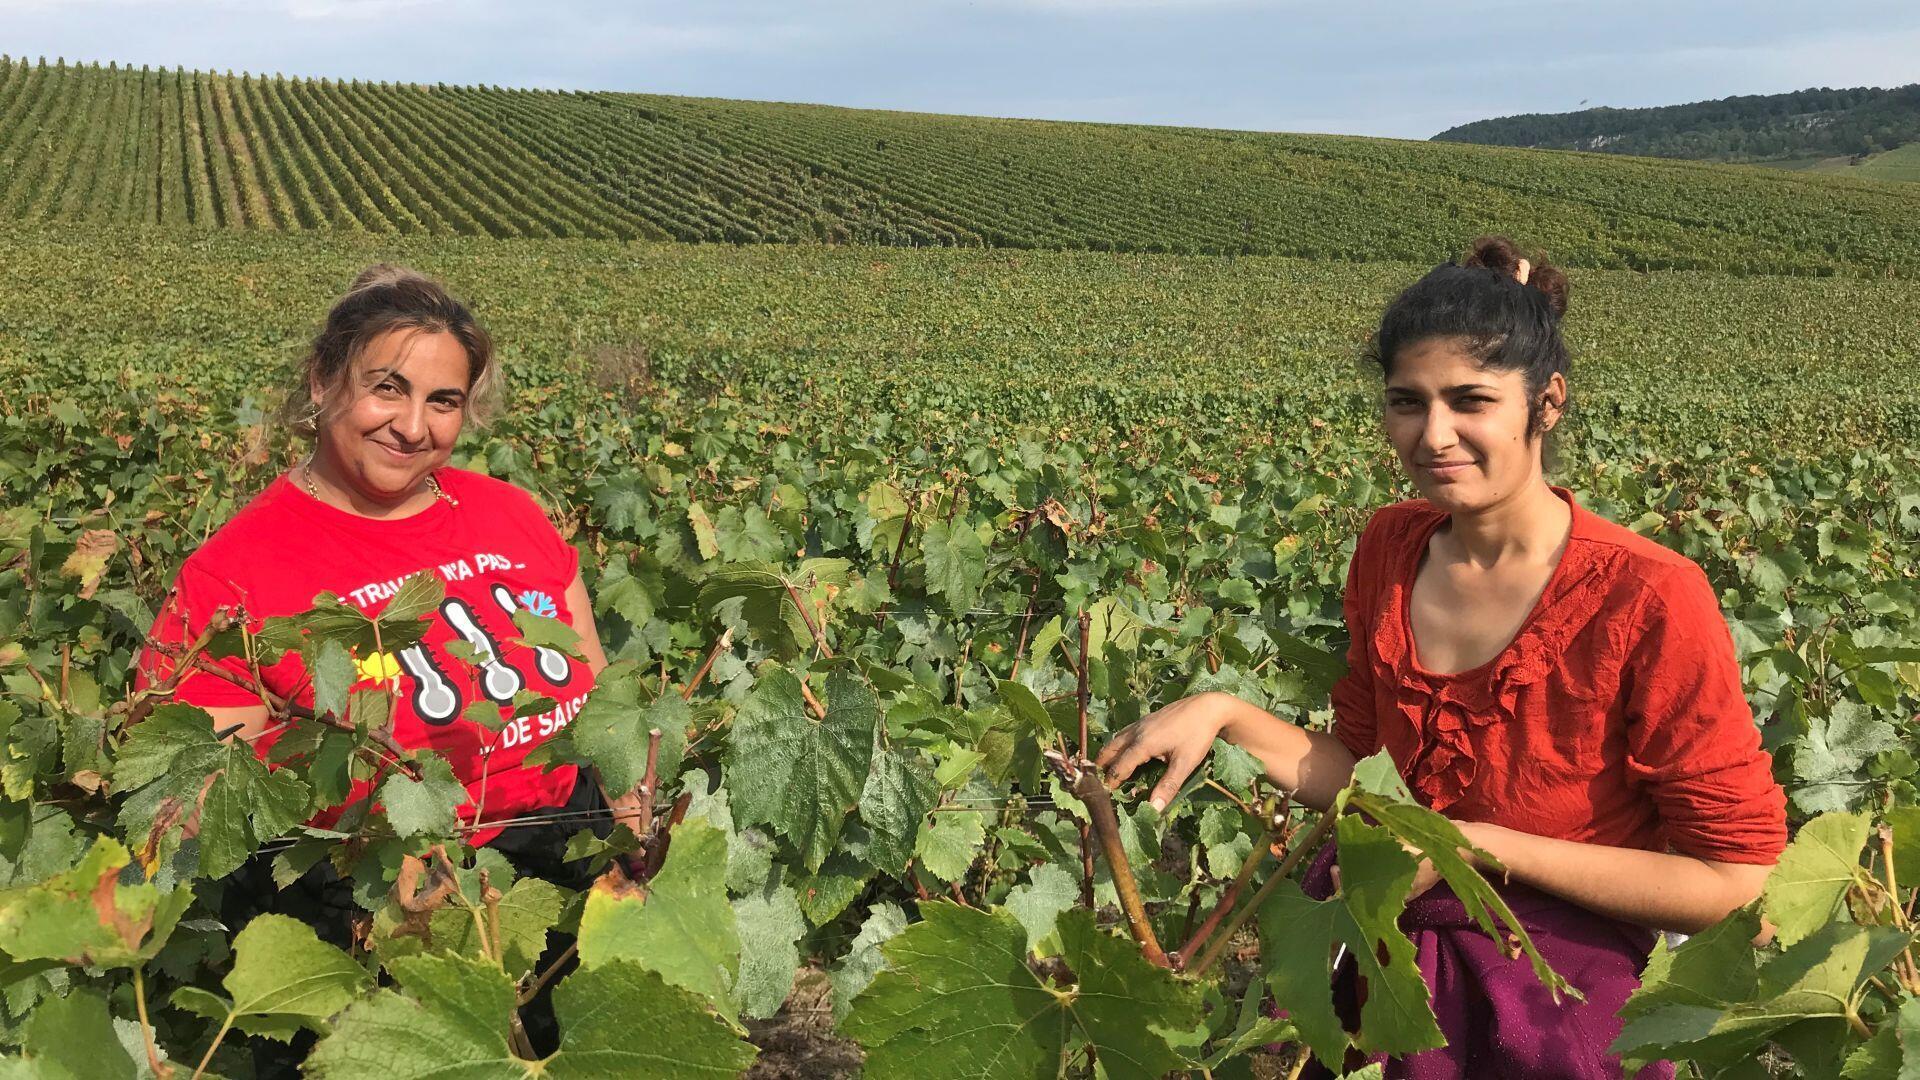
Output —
(720, 645)
(533, 989)
(1081, 696)
(819, 710)
(161, 1070)
(819, 633)
(1086, 787)
(900, 546)
(649, 781)
(1228, 898)
(218, 624)
(1903, 964)
(1321, 830)
(1026, 620)
(1231, 797)
(218, 1037)
(1081, 686)
(294, 709)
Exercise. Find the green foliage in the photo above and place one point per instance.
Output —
(1818, 123)
(283, 978)
(684, 929)
(807, 771)
(761, 465)
(274, 153)
(450, 1015)
(85, 917)
(427, 806)
(958, 1000)
(72, 1038)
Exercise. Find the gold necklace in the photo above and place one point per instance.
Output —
(433, 484)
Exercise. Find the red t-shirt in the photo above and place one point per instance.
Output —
(496, 551)
(1614, 717)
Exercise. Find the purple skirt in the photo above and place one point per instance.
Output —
(1497, 1018)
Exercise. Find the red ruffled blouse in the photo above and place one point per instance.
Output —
(1615, 716)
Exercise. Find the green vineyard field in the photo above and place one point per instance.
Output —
(204, 150)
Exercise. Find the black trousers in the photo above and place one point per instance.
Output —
(324, 900)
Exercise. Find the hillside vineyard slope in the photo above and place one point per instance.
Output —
(199, 150)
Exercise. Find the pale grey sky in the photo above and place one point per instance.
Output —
(1358, 67)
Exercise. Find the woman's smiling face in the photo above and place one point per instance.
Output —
(1460, 429)
(403, 410)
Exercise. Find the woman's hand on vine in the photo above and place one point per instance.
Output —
(1180, 734)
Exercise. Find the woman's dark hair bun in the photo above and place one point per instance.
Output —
(1502, 256)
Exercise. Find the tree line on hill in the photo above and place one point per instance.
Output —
(1813, 123)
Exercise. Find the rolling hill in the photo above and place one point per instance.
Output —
(199, 150)
(1852, 126)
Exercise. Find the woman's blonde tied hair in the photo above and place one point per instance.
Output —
(385, 298)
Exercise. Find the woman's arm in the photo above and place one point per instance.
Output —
(626, 808)
(580, 607)
(253, 720)
(1647, 888)
(1312, 765)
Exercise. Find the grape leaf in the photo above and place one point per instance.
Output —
(948, 843)
(528, 909)
(72, 1038)
(1376, 874)
(85, 917)
(611, 731)
(956, 562)
(245, 805)
(1038, 902)
(765, 606)
(333, 677)
(770, 926)
(151, 745)
(1829, 758)
(546, 632)
(283, 978)
(452, 1020)
(626, 593)
(1810, 881)
(1712, 969)
(427, 806)
(958, 1000)
(806, 773)
(898, 793)
(1814, 980)
(825, 893)
(1027, 707)
(1378, 790)
(684, 929)
(749, 851)
(864, 959)
(597, 1008)
(419, 597)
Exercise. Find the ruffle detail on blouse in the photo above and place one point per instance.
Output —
(1443, 710)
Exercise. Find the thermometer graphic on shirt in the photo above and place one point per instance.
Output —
(498, 681)
(435, 699)
(552, 662)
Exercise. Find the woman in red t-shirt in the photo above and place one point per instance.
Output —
(1561, 687)
(395, 373)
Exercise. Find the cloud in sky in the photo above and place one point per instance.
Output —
(1361, 67)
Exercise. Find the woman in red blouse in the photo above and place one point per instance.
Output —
(1561, 687)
